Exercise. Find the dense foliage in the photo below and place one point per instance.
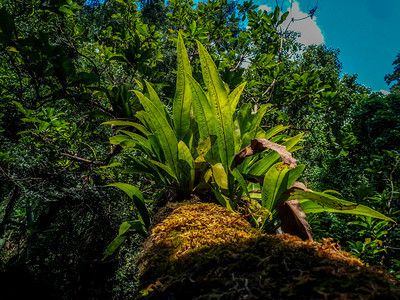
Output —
(68, 66)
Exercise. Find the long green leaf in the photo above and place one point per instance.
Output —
(186, 167)
(324, 200)
(140, 139)
(309, 206)
(220, 104)
(238, 176)
(204, 115)
(162, 129)
(182, 100)
(139, 127)
(259, 115)
(124, 229)
(274, 131)
(164, 167)
(245, 117)
(275, 183)
(235, 96)
(155, 99)
(137, 197)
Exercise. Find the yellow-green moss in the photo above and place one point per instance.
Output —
(202, 250)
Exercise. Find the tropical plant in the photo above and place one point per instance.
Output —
(204, 144)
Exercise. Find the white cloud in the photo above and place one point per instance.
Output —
(310, 32)
(265, 7)
(384, 92)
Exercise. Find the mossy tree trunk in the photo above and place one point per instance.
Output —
(204, 251)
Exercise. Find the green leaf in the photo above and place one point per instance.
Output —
(124, 230)
(309, 206)
(118, 139)
(205, 145)
(182, 101)
(114, 245)
(156, 100)
(165, 134)
(259, 115)
(275, 183)
(186, 167)
(239, 177)
(222, 199)
(220, 104)
(204, 115)
(275, 130)
(138, 126)
(164, 167)
(322, 199)
(220, 176)
(66, 10)
(138, 138)
(235, 96)
(245, 118)
(134, 193)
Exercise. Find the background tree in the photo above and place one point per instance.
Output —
(394, 77)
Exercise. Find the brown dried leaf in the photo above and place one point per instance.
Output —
(300, 186)
(259, 145)
(294, 219)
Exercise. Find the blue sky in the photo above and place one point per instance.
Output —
(367, 32)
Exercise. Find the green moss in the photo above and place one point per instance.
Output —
(203, 251)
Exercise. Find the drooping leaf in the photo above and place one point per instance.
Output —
(164, 167)
(259, 145)
(324, 200)
(138, 126)
(114, 245)
(268, 160)
(309, 206)
(294, 219)
(137, 197)
(124, 229)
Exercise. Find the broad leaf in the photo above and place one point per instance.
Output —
(220, 176)
(275, 183)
